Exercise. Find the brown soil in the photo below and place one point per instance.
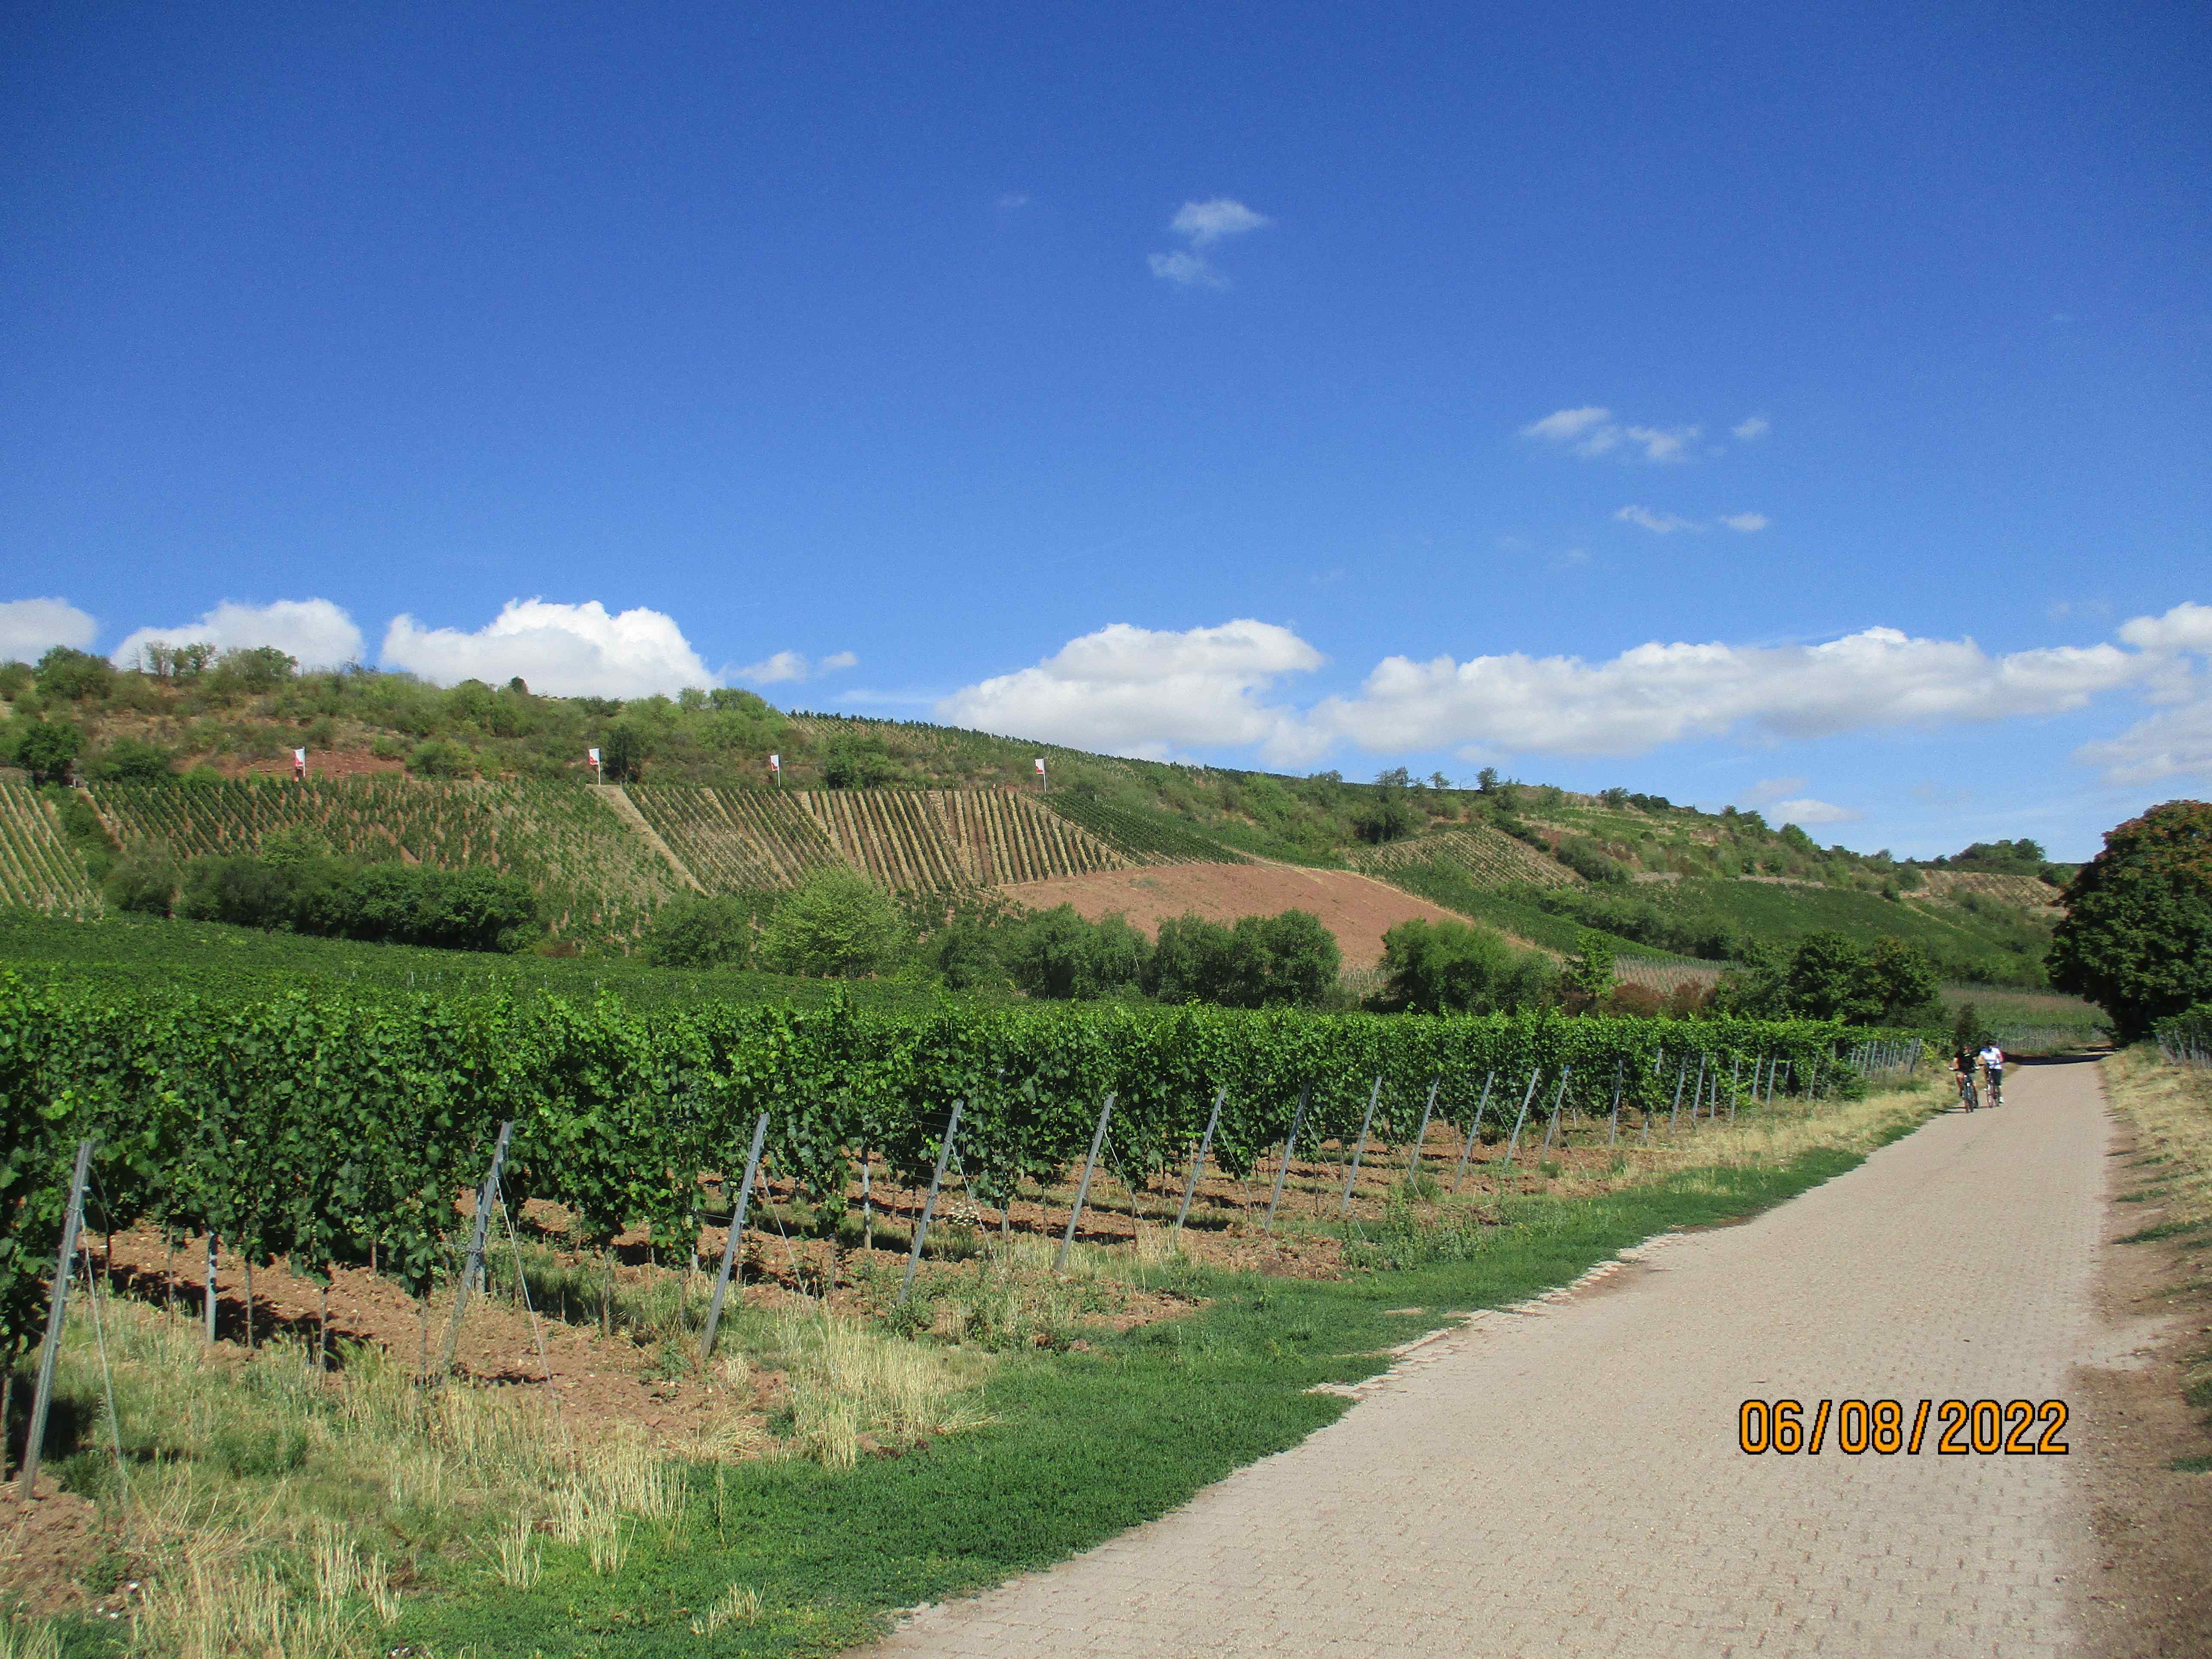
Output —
(1359, 909)
(321, 763)
(2145, 1593)
(47, 1557)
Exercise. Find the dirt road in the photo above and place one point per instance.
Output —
(1568, 1480)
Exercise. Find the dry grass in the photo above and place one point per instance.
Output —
(2169, 1108)
(850, 1386)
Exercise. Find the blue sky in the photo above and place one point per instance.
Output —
(1295, 386)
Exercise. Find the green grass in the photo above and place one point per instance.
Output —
(1509, 911)
(1084, 1446)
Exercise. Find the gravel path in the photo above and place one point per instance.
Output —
(1567, 1479)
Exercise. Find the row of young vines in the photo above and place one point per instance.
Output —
(339, 1129)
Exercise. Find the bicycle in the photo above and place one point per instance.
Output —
(1967, 1097)
(1997, 1089)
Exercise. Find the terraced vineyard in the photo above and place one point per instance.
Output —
(953, 838)
(1144, 837)
(38, 869)
(736, 840)
(2024, 891)
(594, 874)
(1492, 857)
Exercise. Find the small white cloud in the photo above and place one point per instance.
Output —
(1805, 809)
(1663, 443)
(1209, 222)
(1753, 430)
(1749, 523)
(314, 632)
(561, 650)
(1191, 270)
(1659, 523)
(791, 665)
(2174, 743)
(1011, 200)
(1771, 789)
(1203, 224)
(31, 628)
(1565, 426)
(2185, 627)
(1128, 690)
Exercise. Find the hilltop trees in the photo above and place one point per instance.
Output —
(2137, 936)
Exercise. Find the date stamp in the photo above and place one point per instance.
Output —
(1980, 1428)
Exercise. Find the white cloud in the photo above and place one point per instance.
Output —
(2185, 627)
(315, 632)
(2174, 743)
(1011, 200)
(1771, 789)
(1752, 430)
(31, 628)
(1749, 523)
(1659, 523)
(1191, 270)
(1565, 425)
(1128, 690)
(1805, 809)
(1203, 222)
(791, 665)
(561, 650)
(1663, 443)
(1659, 694)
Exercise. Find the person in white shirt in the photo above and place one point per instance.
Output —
(1993, 1063)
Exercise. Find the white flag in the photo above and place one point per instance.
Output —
(1040, 765)
(299, 758)
(593, 756)
(776, 763)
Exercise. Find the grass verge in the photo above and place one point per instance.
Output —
(2170, 1108)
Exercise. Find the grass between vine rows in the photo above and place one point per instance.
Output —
(272, 1510)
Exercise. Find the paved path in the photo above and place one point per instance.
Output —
(1568, 1482)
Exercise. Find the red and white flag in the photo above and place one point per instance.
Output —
(299, 762)
(1040, 765)
(593, 755)
(776, 764)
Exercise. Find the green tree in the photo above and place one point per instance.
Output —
(834, 924)
(46, 749)
(699, 930)
(254, 669)
(143, 881)
(625, 751)
(1590, 973)
(129, 760)
(1056, 953)
(2136, 939)
(1454, 968)
(72, 675)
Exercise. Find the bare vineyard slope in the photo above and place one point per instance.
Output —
(2025, 892)
(38, 866)
(736, 840)
(953, 838)
(595, 873)
(1492, 857)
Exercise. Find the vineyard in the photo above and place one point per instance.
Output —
(1493, 858)
(736, 840)
(594, 875)
(38, 869)
(1147, 837)
(918, 839)
(328, 1129)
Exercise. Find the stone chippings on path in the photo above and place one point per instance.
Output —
(1563, 1479)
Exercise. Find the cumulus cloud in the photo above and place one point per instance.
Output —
(31, 628)
(1591, 430)
(1147, 692)
(2175, 743)
(561, 650)
(1203, 224)
(793, 666)
(1752, 430)
(1659, 694)
(2185, 627)
(315, 632)
(1659, 523)
(1746, 523)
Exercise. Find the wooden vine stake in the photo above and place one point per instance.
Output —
(929, 1204)
(730, 1244)
(1198, 1159)
(1083, 1186)
(51, 1350)
(474, 1265)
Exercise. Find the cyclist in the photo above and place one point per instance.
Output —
(1993, 1065)
(1962, 1066)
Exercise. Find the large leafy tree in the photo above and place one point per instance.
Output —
(2137, 936)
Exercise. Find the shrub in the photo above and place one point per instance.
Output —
(144, 880)
(1453, 967)
(441, 757)
(73, 676)
(129, 760)
(696, 931)
(46, 749)
(836, 924)
(1057, 954)
(1258, 962)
